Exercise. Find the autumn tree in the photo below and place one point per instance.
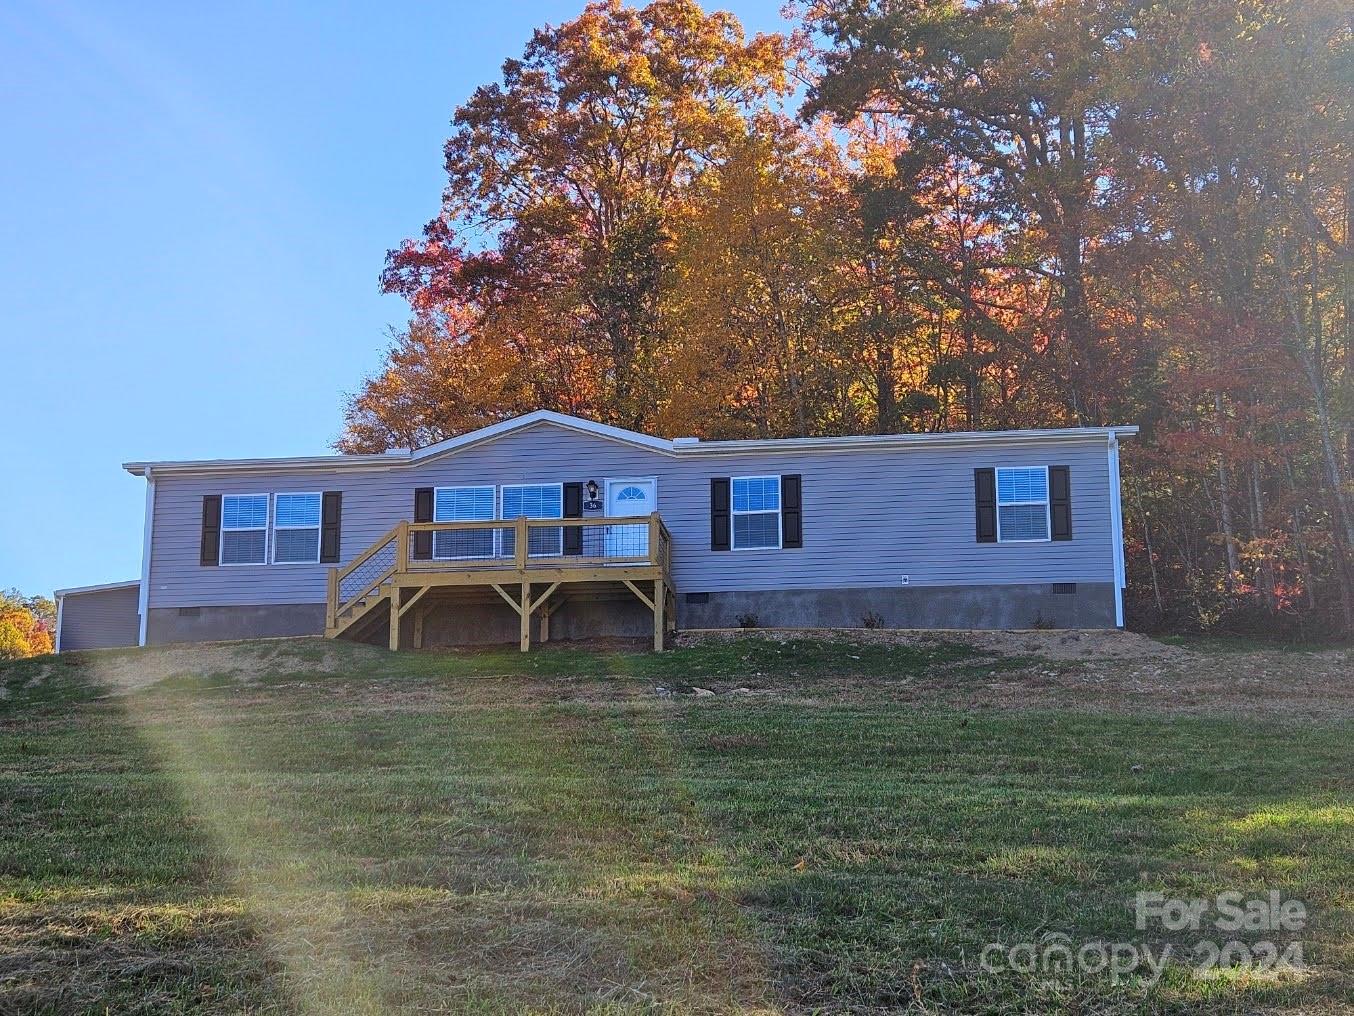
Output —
(762, 291)
(554, 232)
(1010, 88)
(990, 214)
(27, 625)
(1231, 147)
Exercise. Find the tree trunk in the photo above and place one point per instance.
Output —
(1147, 543)
(1265, 576)
(1225, 504)
(885, 403)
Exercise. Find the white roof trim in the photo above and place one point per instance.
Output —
(75, 590)
(676, 447)
(686, 446)
(630, 437)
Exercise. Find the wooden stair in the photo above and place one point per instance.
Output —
(360, 609)
(387, 575)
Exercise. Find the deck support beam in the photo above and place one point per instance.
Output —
(525, 612)
(643, 596)
(418, 595)
(660, 598)
(516, 607)
(548, 610)
(419, 615)
(395, 618)
(544, 596)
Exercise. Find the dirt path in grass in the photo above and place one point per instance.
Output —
(1091, 670)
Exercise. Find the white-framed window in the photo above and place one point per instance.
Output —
(1022, 504)
(463, 504)
(296, 528)
(244, 529)
(756, 512)
(535, 501)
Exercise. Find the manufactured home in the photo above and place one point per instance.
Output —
(548, 526)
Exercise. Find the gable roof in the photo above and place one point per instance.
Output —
(681, 446)
(574, 423)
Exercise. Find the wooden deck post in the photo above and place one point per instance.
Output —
(520, 538)
(331, 597)
(659, 601)
(524, 615)
(418, 626)
(395, 617)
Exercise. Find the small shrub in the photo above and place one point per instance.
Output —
(871, 620)
(1042, 623)
(749, 621)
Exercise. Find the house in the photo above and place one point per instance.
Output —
(550, 526)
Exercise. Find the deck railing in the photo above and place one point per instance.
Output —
(500, 548)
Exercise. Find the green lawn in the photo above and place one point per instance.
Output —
(497, 833)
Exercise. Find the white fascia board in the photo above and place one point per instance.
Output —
(977, 438)
(58, 594)
(388, 460)
(674, 447)
(327, 463)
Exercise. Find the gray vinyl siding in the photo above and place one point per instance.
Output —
(870, 515)
(100, 619)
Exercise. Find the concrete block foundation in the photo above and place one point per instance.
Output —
(1034, 605)
(478, 620)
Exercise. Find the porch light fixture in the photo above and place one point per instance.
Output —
(593, 490)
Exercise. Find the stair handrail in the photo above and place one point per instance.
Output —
(400, 534)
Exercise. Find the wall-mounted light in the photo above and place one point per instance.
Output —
(592, 489)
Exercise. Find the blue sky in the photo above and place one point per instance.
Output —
(196, 201)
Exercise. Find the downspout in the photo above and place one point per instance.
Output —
(60, 602)
(1117, 529)
(143, 598)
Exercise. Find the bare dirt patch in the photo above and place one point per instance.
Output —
(1109, 671)
(1080, 644)
(244, 662)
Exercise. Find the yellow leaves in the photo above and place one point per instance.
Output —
(22, 634)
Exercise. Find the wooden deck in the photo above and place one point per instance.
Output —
(532, 564)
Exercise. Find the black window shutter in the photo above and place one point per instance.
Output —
(573, 509)
(985, 500)
(211, 529)
(1060, 501)
(791, 512)
(331, 524)
(423, 512)
(719, 513)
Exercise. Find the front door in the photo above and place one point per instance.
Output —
(625, 498)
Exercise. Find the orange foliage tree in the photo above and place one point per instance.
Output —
(994, 215)
(26, 626)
